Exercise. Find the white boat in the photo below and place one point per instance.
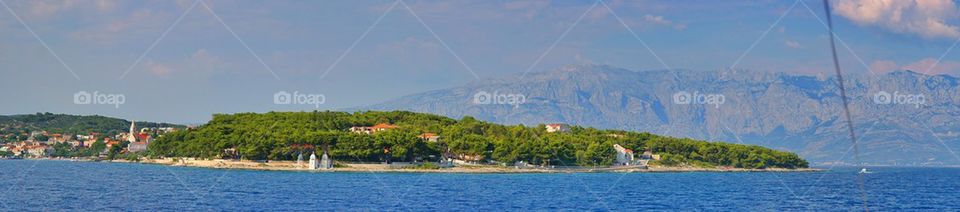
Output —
(864, 171)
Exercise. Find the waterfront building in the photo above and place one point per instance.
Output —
(624, 155)
(373, 129)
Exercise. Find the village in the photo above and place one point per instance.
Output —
(41, 144)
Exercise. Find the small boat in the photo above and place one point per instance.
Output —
(864, 171)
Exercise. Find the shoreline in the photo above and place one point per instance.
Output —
(385, 168)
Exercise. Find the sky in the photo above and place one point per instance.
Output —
(182, 61)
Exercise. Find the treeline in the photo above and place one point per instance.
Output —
(284, 135)
(678, 151)
(18, 125)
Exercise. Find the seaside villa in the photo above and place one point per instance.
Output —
(373, 129)
(624, 155)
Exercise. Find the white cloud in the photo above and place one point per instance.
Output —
(106, 5)
(657, 19)
(931, 66)
(927, 18)
(580, 59)
(199, 63)
(926, 65)
(882, 66)
(793, 44)
(203, 61)
(128, 27)
(157, 69)
(660, 20)
(47, 9)
(528, 9)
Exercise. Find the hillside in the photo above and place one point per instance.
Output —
(70, 124)
(798, 113)
(283, 135)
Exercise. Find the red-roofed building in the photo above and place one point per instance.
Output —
(375, 128)
(382, 127)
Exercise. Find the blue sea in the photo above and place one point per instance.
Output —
(35, 185)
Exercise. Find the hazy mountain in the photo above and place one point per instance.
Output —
(798, 113)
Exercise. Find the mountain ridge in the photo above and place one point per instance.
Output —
(775, 109)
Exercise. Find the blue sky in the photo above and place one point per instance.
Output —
(198, 67)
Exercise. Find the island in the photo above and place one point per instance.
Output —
(402, 141)
(409, 141)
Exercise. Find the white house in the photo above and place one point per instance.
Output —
(624, 155)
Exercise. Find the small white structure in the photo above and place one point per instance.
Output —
(299, 159)
(313, 161)
(325, 162)
(624, 155)
(132, 136)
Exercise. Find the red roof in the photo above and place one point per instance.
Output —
(143, 137)
(383, 126)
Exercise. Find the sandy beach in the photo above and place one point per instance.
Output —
(356, 167)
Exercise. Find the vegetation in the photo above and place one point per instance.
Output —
(68, 151)
(283, 135)
(18, 127)
(679, 151)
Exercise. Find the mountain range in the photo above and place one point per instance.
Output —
(900, 117)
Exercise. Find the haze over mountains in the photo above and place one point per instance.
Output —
(901, 118)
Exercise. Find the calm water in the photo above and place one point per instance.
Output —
(62, 185)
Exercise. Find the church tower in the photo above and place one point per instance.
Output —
(133, 135)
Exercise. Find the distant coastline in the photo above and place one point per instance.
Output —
(386, 168)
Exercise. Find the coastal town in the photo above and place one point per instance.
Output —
(42, 144)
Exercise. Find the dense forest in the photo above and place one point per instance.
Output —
(284, 135)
